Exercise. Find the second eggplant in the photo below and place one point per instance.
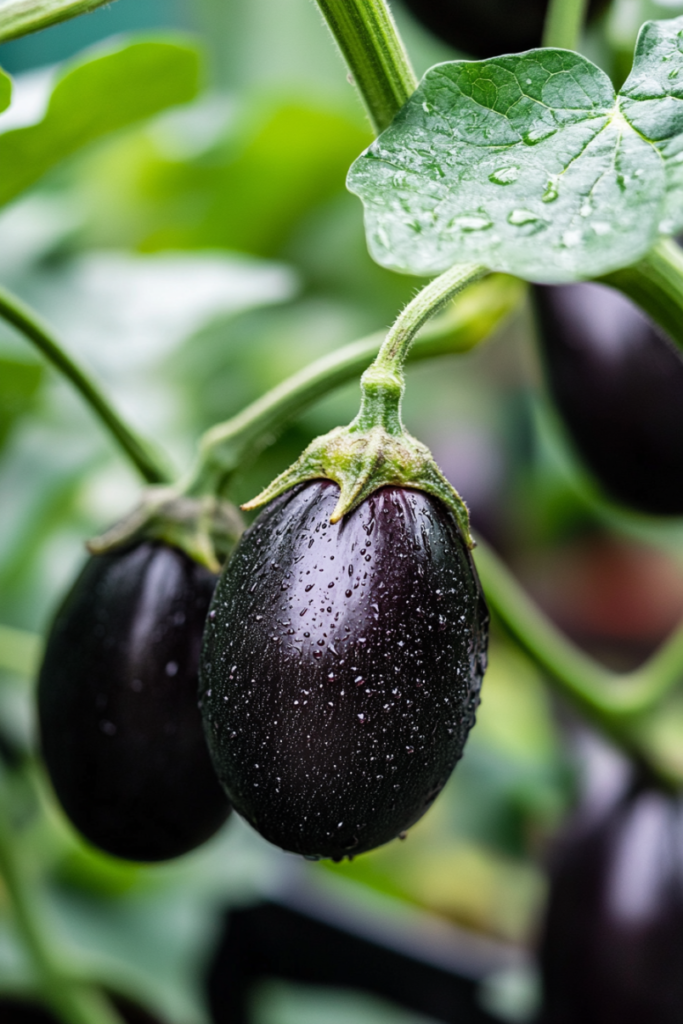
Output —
(121, 733)
(617, 382)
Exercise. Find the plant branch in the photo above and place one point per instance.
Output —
(226, 446)
(150, 464)
(613, 701)
(563, 23)
(72, 1001)
(20, 17)
(656, 285)
(373, 50)
(423, 307)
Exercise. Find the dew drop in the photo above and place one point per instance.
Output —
(474, 222)
(504, 175)
(521, 217)
(551, 193)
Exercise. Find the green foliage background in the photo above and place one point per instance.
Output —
(193, 259)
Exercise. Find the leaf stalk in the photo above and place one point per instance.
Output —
(615, 702)
(150, 463)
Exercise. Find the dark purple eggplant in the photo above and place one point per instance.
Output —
(121, 732)
(485, 28)
(613, 937)
(618, 385)
(341, 667)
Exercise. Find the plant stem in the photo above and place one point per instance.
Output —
(613, 701)
(656, 285)
(20, 17)
(423, 307)
(72, 1001)
(563, 23)
(141, 453)
(383, 383)
(226, 446)
(367, 37)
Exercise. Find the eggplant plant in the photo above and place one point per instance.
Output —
(345, 645)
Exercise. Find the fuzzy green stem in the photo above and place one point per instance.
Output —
(656, 285)
(20, 17)
(150, 464)
(71, 1001)
(226, 446)
(423, 307)
(382, 384)
(563, 23)
(615, 702)
(372, 48)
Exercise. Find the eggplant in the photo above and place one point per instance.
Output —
(341, 667)
(617, 382)
(485, 28)
(613, 935)
(121, 734)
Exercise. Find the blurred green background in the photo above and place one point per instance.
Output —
(193, 260)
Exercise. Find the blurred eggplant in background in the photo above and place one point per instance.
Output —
(612, 941)
(617, 382)
(488, 27)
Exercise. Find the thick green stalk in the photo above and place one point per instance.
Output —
(19, 17)
(613, 701)
(366, 35)
(656, 285)
(146, 459)
(563, 23)
(71, 1001)
(226, 446)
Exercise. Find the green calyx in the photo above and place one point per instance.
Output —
(206, 528)
(373, 451)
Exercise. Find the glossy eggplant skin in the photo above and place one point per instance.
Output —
(618, 385)
(121, 733)
(613, 938)
(341, 667)
(486, 28)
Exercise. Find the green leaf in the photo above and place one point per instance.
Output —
(18, 18)
(5, 90)
(19, 382)
(530, 164)
(93, 97)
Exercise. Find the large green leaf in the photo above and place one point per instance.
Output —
(100, 94)
(530, 164)
(5, 90)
